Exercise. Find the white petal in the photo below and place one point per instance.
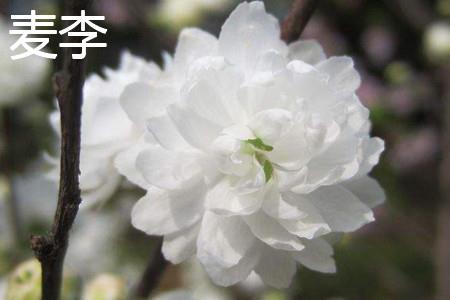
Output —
(340, 209)
(168, 169)
(271, 61)
(270, 125)
(223, 199)
(253, 182)
(343, 75)
(108, 125)
(239, 132)
(248, 32)
(265, 91)
(165, 133)
(358, 115)
(367, 189)
(228, 158)
(179, 246)
(339, 162)
(308, 226)
(289, 179)
(227, 277)
(196, 130)
(316, 256)
(276, 268)
(206, 101)
(371, 151)
(273, 234)
(212, 77)
(226, 240)
(125, 163)
(192, 44)
(308, 51)
(275, 206)
(161, 212)
(142, 101)
(292, 151)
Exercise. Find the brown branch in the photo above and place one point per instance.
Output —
(296, 20)
(152, 274)
(50, 250)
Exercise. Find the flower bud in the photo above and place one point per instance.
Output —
(105, 287)
(25, 282)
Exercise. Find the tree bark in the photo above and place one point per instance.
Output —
(50, 250)
(297, 19)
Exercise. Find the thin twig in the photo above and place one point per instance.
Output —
(296, 20)
(51, 249)
(152, 274)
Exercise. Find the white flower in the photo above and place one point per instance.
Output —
(19, 79)
(263, 149)
(106, 131)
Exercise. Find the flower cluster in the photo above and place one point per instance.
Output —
(252, 152)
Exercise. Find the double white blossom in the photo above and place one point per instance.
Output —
(262, 150)
(107, 135)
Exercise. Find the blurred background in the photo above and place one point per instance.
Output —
(402, 50)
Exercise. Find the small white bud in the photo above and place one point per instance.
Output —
(105, 287)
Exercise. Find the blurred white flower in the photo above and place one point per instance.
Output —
(19, 79)
(106, 131)
(105, 287)
(179, 13)
(437, 42)
(92, 236)
(263, 149)
(24, 283)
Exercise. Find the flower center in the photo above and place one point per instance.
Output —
(258, 148)
(243, 158)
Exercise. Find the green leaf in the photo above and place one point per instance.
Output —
(259, 144)
(268, 170)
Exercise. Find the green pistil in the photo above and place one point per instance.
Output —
(268, 170)
(266, 164)
(251, 146)
(259, 144)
